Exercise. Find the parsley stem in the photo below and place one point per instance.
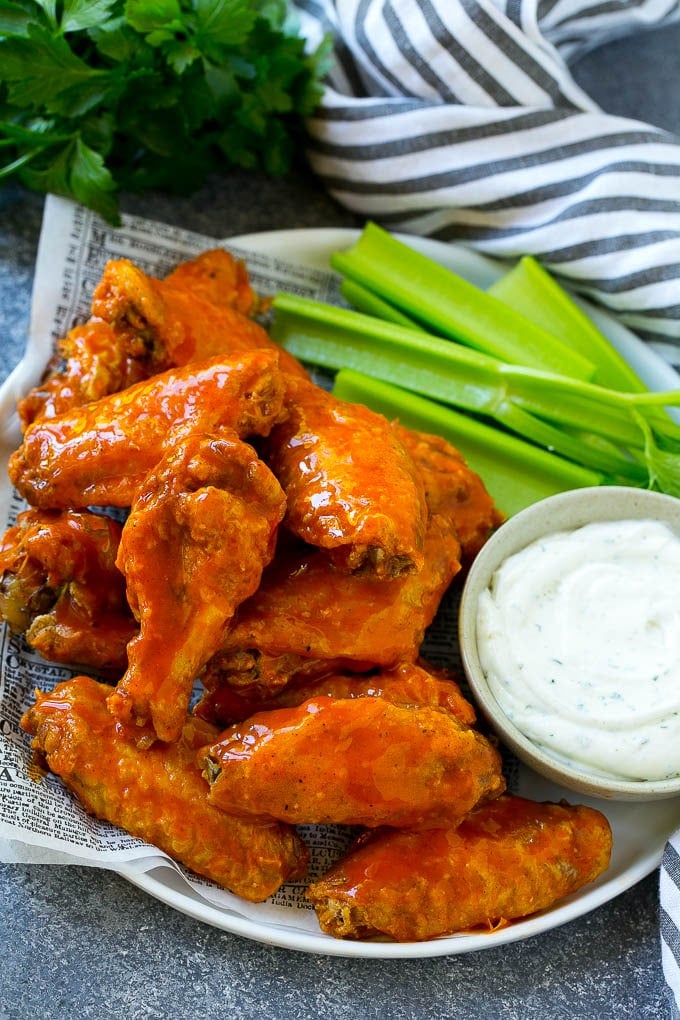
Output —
(10, 168)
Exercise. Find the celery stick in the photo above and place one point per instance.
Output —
(582, 405)
(366, 301)
(515, 473)
(337, 338)
(531, 290)
(453, 307)
(577, 447)
(340, 338)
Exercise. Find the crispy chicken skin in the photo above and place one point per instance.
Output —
(179, 320)
(60, 587)
(158, 793)
(141, 326)
(408, 683)
(308, 620)
(453, 489)
(360, 761)
(216, 276)
(89, 363)
(351, 486)
(99, 454)
(199, 533)
(306, 610)
(507, 859)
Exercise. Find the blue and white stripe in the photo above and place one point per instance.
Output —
(460, 119)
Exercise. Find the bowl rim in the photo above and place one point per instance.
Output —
(566, 511)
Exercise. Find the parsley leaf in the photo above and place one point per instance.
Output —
(152, 15)
(15, 18)
(222, 23)
(90, 181)
(102, 95)
(50, 9)
(80, 14)
(40, 68)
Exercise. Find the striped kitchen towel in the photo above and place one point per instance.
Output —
(460, 119)
(669, 916)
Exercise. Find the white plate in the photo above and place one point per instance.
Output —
(640, 831)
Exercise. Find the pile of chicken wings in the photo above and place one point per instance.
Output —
(283, 552)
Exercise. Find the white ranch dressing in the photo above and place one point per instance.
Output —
(579, 638)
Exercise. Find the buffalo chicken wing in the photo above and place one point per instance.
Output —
(507, 859)
(100, 454)
(157, 794)
(351, 486)
(360, 761)
(140, 326)
(408, 683)
(305, 613)
(89, 363)
(218, 277)
(184, 318)
(453, 490)
(200, 531)
(61, 589)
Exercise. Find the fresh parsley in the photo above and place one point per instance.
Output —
(98, 96)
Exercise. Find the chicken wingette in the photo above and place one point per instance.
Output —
(140, 326)
(509, 858)
(408, 683)
(351, 486)
(99, 454)
(199, 534)
(307, 618)
(353, 761)
(61, 589)
(157, 794)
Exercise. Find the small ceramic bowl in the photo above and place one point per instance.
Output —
(564, 512)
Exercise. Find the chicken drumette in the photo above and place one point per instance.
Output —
(61, 589)
(199, 533)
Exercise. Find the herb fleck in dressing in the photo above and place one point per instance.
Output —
(579, 638)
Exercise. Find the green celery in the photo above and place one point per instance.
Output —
(530, 289)
(340, 338)
(364, 300)
(449, 305)
(515, 473)
(575, 446)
